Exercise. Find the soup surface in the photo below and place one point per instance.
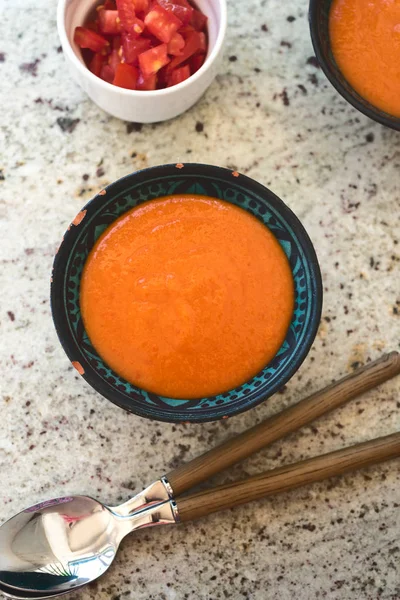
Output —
(365, 40)
(187, 296)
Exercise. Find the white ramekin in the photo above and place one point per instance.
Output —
(141, 106)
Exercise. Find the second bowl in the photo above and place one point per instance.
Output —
(318, 15)
(206, 180)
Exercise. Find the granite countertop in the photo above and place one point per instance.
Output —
(272, 115)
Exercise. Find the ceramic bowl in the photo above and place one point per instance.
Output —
(319, 27)
(207, 180)
(141, 106)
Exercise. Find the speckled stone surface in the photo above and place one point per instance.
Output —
(272, 115)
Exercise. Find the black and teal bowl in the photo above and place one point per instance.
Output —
(318, 16)
(152, 183)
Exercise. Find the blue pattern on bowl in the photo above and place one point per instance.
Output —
(152, 183)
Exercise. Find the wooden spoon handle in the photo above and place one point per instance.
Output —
(307, 410)
(289, 477)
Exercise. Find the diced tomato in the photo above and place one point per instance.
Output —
(114, 59)
(116, 42)
(183, 3)
(153, 60)
(178, 75)
(196, 62)
(141, 5)
(176, 44)
(198, 20)
(133, 46)
(162, 78)
(109, 21)
(149, 36)
(127, 13)
(93, 26)
(109, 5)
(107, 73)
(182, 11)
(203, 42)
(138, 26)
(96, 63)
(147, 84)
(161, 23)
(144, 44)
(85, 38)
(126, 76)
(186, 30)
(193, 45)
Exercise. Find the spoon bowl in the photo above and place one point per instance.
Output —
(60, 545)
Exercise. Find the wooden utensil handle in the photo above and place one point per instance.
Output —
(307, 410)
(289, 477)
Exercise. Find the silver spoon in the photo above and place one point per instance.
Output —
(59, 546)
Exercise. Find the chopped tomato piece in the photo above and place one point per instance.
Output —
(178, 75)
(138, 26)
(126, 76)
(133, 46)
(109, 5)
(182, 11)
(153, 60)
(186, 30)
(141, 5)
(109, 21)
(114, 59)
(196, 62)
(161, 23)
(96, 63)
(107, 73)
(198, 20)
(107, 50)
(203, 42)
(147, 84)
(85, 38)
(162, 78)
(127, 13)
(93, 26)
(149, 36)
(176, 44)
(193, 45)
(116, 42)
(182, 3)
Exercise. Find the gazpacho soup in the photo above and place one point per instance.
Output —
(187, 296)
(365, 41)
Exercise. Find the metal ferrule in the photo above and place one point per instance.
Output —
(158, 491)
(153, 506)
(150, 515)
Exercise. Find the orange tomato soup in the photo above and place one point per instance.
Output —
(187, 296)
(365, 40)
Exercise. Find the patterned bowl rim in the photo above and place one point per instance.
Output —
(172, 415)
